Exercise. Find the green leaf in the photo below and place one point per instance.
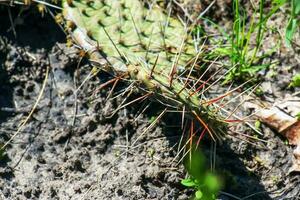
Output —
(296, 7)
(188, 182)
(279, 2)
(223, 51)
(253, 69)
(298, 116)
(212, 182)
(293, 22)
(257, 124)
(198, 30)
(152, 119)
(259, 92)
(295, 81)
(195, 165)
(198, 194)
(290, 30)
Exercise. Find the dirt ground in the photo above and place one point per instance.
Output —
(74, 148)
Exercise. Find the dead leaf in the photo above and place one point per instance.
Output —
(282, 117)
(285, 124)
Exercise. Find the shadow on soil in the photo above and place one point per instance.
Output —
(239, 181)
(19, 34)
(5, 89)
(23, 32)
(31, 29)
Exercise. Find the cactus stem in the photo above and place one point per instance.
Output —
(138, 54)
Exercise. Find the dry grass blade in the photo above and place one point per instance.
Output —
(31, 112)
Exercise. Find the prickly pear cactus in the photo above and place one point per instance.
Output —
(142, 40)
(129, 33)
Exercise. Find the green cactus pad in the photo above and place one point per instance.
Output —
(140, 39)
(126, 28)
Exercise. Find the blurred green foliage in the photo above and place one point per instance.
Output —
(295, 81)
(293, 23)
(206, 183)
